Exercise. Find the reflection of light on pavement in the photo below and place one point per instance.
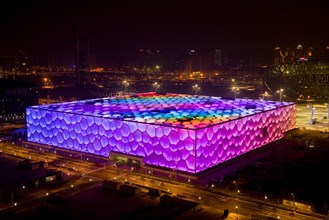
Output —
(318, 113)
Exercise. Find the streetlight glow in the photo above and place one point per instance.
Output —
(156, 85)
(126, 84)
(293, 198)
(45, 81)
(196, 88)
(236, 209)
(280, 91)
(235, 90)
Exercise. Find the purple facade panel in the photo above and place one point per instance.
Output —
(225, 141)
(162, 146)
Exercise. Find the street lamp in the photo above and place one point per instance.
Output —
(236, 210)
(280, 91)
(45, 81)
(237, 194)
(156, 85)
(126, 84)
(196, 88)
(293, 199)
(312, 113)
(235, 90)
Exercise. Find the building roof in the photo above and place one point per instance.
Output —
(168, 109)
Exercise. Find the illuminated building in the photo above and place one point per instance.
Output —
(182, 132)
(290, 56)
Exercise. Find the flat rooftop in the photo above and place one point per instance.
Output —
(167, 109)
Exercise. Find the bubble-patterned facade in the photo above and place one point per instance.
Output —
(177, 131)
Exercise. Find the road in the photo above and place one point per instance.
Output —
(207, 197)
(89, 171)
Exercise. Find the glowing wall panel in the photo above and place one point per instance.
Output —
(182, 132)
(222, 142)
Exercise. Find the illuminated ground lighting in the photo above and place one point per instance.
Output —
(177, 131)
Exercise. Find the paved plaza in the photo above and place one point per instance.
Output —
(318, 112)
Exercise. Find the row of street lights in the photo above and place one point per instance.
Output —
(156, 86)
(236, 90)
(197, 88)
(125, 83)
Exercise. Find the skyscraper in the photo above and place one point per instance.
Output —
(82, 64)
(218, 55)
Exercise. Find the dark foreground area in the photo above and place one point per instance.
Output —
(292, 169)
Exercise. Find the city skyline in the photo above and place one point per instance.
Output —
(242, 27)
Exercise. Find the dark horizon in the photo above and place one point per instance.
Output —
(252, 26)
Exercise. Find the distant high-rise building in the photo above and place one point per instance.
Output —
(82, 62)
(299, 52)
(198, 61)
(284, 56)
(218, 57)
(277, 56)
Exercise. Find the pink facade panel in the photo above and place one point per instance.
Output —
(219, 143)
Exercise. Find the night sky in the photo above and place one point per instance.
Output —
(123, 25)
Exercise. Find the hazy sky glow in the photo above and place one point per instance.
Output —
(237, 24)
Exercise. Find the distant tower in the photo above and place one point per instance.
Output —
(299, 52)
(82, 66)
(218, 58)
(277, 56)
